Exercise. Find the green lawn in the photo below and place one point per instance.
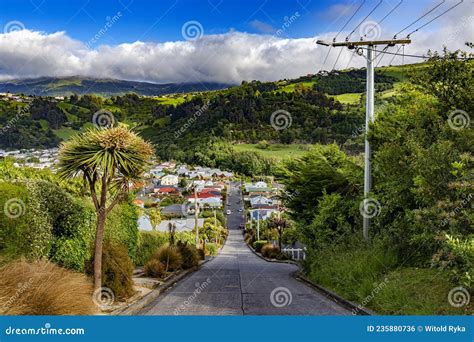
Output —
(289, 88)
(173, 101)
(68, 106)
(348, 98)
(65, 132)
(276, 151)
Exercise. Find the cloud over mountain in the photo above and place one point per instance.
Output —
(227, 58)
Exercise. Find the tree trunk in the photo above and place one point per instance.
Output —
(280, 236)
(99, 239)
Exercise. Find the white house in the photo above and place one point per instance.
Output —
(170, 180)
(260, 200)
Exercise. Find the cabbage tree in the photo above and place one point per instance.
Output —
(108, 160)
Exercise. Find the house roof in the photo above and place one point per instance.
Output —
(204, 195)
(173, 209)
(166, 189)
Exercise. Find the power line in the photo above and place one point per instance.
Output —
(429, 22)
(350, 60)
(381, 20)
(417, 20)
(414, 56)
(355, 28)
(325, 59)
(399, 48)
(347, 22)
(383, 54)
(337, 59)
(343, 27)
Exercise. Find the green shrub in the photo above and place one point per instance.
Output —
(186, 237)
(154, 268)
(27, 229)
(170, 257)
(71, 246)
(257, 245)
(71, 253)
(211, 248)
(117, 269)
(149, 242)
(189, 254)
(270, 251)
(122, 226)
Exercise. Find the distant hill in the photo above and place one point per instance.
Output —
(65, 86)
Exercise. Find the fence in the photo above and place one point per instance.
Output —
(295, 253)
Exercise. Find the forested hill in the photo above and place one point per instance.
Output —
(321, 108)
(66, 86)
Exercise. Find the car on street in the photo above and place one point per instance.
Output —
(229, 212)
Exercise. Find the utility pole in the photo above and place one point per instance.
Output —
(196, 216)
(215, 224)
(369, 107)
(258, 224)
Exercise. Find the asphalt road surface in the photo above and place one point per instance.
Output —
(237, 282)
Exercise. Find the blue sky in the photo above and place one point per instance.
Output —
(237, 40)
(161, 21)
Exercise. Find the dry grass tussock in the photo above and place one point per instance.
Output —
(43, 288)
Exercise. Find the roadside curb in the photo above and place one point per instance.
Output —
(272, 260)
(134, 308)
(298, 275)
(355, 308)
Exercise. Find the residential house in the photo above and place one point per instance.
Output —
(259, 201)
(166, 190)
(170, 180)
(262, 213)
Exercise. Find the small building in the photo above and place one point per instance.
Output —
(171, 180)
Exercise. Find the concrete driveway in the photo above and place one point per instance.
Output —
(237, 282)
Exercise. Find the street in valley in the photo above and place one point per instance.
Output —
(237, 282)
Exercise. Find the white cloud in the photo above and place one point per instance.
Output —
(227, 58)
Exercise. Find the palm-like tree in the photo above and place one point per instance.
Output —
(109, 160)
(278, 223)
